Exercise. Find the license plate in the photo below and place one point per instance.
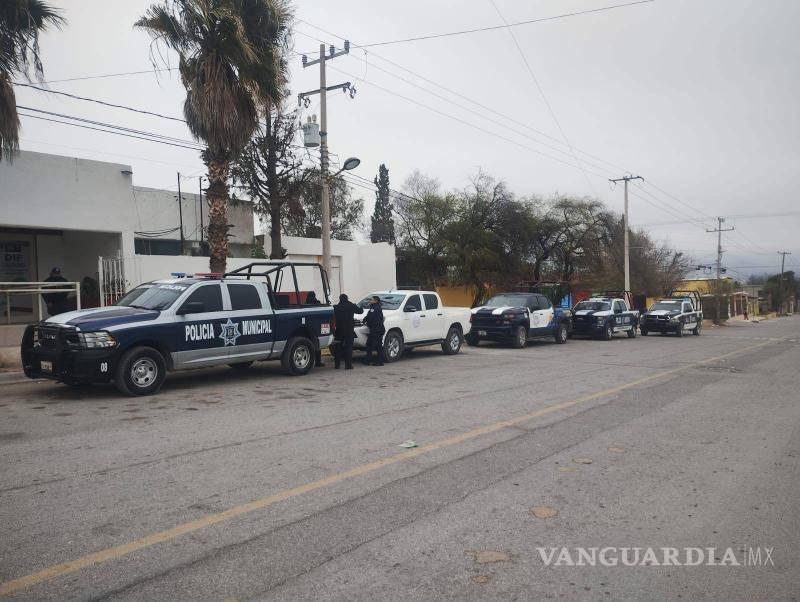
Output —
(482, 333)
(325, 329)
(46, 366)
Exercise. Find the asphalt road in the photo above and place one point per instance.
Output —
(230, 486)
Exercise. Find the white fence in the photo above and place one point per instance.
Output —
(111, 279)
(36, 289)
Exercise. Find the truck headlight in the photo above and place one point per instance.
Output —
(96, 340)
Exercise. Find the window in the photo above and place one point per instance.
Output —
(208, 294)
(387, 301)
(153, 296)
(431, 302)
(544, 302)
(156, 246)
(533, 303)
(687, 308)
(617, 306)
(510, 300)
(244, 296)
(414, 301)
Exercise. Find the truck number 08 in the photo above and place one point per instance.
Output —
(103, 366)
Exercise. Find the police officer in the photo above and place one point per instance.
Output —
(374, 321)
(56, 302)
(344, 333)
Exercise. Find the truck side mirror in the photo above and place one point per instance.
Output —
(411, 308)
(192, 307)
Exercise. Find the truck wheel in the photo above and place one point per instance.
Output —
(632, 332)
(520, 337)
(452, 342)
(298, 357)
(608, 333)
(679, 331)
(241, 365)
(643, 331)
(562, 334)
(697, 329)
(472, 339)
(393, 346)
(140, 371)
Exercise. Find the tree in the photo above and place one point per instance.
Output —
(21, 22)
(232, 60)
(304, 218)
(272, 172)
(382, 220)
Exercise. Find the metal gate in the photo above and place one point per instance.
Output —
(111, 277)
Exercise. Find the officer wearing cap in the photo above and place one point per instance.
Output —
(56, 302)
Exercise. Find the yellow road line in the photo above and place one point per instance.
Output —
(150, 540)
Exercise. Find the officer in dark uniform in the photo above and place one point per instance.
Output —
(374, 321)
(56, 302)
(344, 334)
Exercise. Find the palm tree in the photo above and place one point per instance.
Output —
(21, 21)
(233, 65)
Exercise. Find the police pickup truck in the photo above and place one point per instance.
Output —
(516, 318)
(601, 317)
(675, 315)
(186, 322)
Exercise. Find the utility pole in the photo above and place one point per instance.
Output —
(200, 182)
(324, 57)
(783, 255)
(718, 296)
(626, 220)
(180, 209)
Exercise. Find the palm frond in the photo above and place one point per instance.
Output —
(9, 120)
(21, 22)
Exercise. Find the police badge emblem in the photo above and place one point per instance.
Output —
(230, 332)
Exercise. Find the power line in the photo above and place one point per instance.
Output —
(108, 75)
(495, 27)
(543, 95)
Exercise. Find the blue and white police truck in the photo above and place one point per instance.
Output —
(257, 312)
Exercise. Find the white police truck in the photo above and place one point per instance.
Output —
(258, 312)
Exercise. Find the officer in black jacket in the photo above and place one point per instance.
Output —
(374, 321)
(344, 334)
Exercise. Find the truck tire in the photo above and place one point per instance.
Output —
(452, 342)
(644, 331)
(697, 329)
(632, 332)
(472, 339)
(298, 356)
(679, 330)
(520, 337)
(562, 334)
(608, 332)
(393, 346)
(140, 371)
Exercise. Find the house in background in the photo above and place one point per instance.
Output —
(69, 212)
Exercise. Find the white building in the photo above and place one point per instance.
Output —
(69, 212)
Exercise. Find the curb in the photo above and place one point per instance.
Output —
(9, 378)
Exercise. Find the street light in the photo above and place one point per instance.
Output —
(349, 164)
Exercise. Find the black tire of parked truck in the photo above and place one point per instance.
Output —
(698, 328)
(472, 339)
(632, 332)
(140, 371)
(520, 337)
(679, 330)
(298, 356)
(452, 342)
(562, 333)
(644, 331)
(608, 332)
(393, 346)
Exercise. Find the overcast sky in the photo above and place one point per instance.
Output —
(700, 97)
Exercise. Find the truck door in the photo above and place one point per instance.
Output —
(541, 317)
(433, 326)
(690, 316)
(202, 337)
(412, 319)
(251, 311)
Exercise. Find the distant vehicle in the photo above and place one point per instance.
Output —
(516, 318)
(186, 322)
(601, 317)
(674, 315)
(415, 319)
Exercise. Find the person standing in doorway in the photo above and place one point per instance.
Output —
(56, 302)
(374, 321)
(344, 332)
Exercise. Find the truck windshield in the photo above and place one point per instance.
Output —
(666, 305)
(152, 296)
(593, 306)
(388, 301)
(508, 301)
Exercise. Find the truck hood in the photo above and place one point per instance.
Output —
(663, 312)
(497, 311)
(102, 317)
(593, 312)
